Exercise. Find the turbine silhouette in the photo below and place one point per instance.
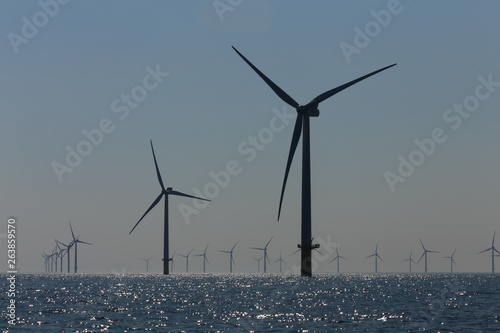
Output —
(452, 261)
(493, 250)
(164, 192)
(204, 255)
(266, 258)
(187, 260)
(258, 263)
(425, 254)
(147, 263)
(338, 257)
(304, 112)
(231, 259)
(75, 242)
(280, 260)
(376, 257)
(410, 260)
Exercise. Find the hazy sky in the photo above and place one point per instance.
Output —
(165, 70)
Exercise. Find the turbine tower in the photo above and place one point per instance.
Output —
(425, 254)
(204, 255)
(376, 257)
(147, 263)
(338, 257)
(452, 261)
(164, 192)
(493, 250)
(280, 260)
(75, 242)
(410, 259)
(304, 112)
(231, 259)
(187, 260)
(265, 253)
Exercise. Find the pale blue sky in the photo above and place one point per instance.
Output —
(64, 79)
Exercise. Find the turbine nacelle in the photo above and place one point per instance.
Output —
(308, 110)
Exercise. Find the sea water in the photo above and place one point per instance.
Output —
(254, 302)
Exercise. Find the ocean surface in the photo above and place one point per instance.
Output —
(254, 302)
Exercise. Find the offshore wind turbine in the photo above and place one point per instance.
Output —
(46, 257)
(68, 247)
(425, 254)
(204, 255)
(452, 261)
(258, 263)
(231, 259)
(493, 250)
(410, 259)
(187, 260)
(338, 257)
(147, 263)
(265, 252)
(75, 242)
(376, 257)
(164, 192)
(280, 260)
(61, 254)
(304, 112)
(171, 259)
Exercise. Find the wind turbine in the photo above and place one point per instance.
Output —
(258, 263)
(302, 125)
(376, 257)
(172, 262)
(452, 261)
(47, 261)
(493, 250)
(61, 254)
(410, 260)
(338, 257)
(280, 260)
(266, 258)
(187, 259)
(147, 263)
(68, 247)
(425, 254)
(204, 255)
(164, 192)
(75, 242)
(231, 259)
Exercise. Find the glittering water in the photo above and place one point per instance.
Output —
(241, 302)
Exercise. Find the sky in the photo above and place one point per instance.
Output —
(409, 153)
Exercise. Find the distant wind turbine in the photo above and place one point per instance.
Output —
(68, 248)
(304, 112)
(147, 263)
(493, 250)
(231, 259)
(76, 241)
(204, 255)
(46, 258)
(376, 257)
(338, 257)
(171, 259)
(410, 260)
(61, 254)
(266, 258)
(425, 254)
(164, 192)
(258, 263)
(280, 260)
(452, 261)
(187, 260)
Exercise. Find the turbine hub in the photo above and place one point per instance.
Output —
(308, 110)
(170, 188)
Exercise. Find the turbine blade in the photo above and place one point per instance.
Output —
(297, 131)
(283, 95)
(484, 250)
(268, 242)
(156, 166)
(150, 207)
(72, 234)
(207, 260)
(422, 245)
(330, 93)
(79, 241)
(420, 257)
(493, 241)
(224, 251)
(371, 255)
(380, 258)
(257, 248)
(496, 250)
(186, 195)
(234, 246)
(296, 251)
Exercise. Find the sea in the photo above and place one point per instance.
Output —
(252, 303)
